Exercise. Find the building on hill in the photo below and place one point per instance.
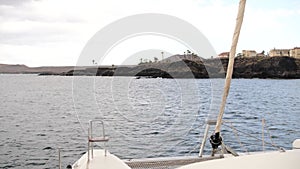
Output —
(248, 53)
(279, 52)
(295, 53)
(224, 55)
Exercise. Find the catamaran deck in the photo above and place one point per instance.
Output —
(274, 160)
(110, 161)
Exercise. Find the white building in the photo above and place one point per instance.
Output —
(295, 53)
(279, 52)
(248, 53)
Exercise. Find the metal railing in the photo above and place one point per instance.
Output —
(92, 139)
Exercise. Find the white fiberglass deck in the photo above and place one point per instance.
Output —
(100, 161)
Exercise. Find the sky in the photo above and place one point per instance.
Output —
(54, 32)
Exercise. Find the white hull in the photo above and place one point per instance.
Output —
(261, 160)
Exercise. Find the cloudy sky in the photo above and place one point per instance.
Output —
(54, 32)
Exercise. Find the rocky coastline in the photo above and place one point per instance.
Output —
(257, 67)
(254, 67)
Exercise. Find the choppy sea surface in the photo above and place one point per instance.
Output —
(143, 117)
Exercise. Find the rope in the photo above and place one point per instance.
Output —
(239, 21)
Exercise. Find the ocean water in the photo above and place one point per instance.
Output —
(142, 117)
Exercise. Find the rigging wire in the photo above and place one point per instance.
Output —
(256, 138)
(237, 137)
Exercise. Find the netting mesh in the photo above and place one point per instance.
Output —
(165, 163)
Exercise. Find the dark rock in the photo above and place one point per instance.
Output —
(48, 74)
(48, 148)
(154, 73)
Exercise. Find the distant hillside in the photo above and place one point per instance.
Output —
(6, 68)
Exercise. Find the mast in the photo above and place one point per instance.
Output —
(216, 139)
